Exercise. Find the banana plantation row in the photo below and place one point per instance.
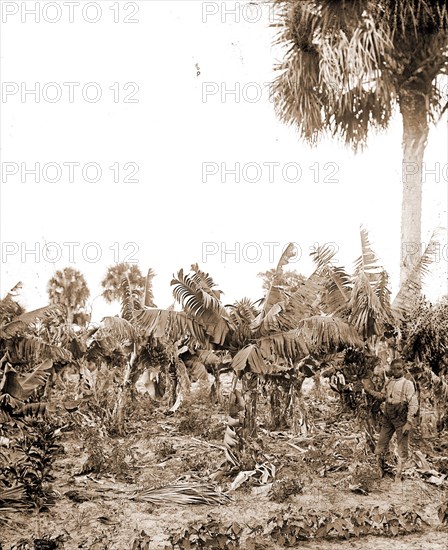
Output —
(333, 323)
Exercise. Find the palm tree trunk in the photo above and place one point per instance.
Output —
(414, 109)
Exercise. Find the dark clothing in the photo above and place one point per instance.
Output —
(400, 408)
(393, 420)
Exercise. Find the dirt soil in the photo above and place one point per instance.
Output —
(97, 510)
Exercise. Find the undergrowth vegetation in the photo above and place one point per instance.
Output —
(264, 401)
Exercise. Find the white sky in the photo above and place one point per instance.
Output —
(171, 214)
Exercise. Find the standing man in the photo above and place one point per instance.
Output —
(399, 411)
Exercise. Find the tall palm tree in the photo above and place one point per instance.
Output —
(69, 289)
(349, 63)
(112, 282)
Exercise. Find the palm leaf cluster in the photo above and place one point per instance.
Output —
(327, 312)
(112, 283)
(141, 322)
(68, 288)
(200, 300)
(348, 62)
(36, 336)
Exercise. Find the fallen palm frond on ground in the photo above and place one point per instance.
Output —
(12, 500)
(182, 493)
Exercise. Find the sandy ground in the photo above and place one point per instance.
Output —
(97, 511)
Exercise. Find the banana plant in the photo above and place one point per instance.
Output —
(263, 340)
(140, 326)
(16, 389)
(28, 339)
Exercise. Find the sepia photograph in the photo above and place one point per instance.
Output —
(223, 274)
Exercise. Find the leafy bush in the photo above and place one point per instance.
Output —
(282, 489)
(212, 534)
(29, 461)
(290, 527)
(107, 456)
(196, 418)
(425, 334)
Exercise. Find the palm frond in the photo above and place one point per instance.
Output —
(13, 499)
(196, 295)
(118, 327)
(9, 306)
(130, 298)
(241, 316)
(275, 295)
(323, 256)
(417, 16)
(411, 288)
(242, 312)
(334, 279)
(182, 325)
(366, 311)
(269, 321)
(369, 303)
(339, 288)
(153, 321)
(323, 334)
(205, 282)
(183, 493)
(368, 261)
(148, 294)
(383, 292)
(305, 301)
